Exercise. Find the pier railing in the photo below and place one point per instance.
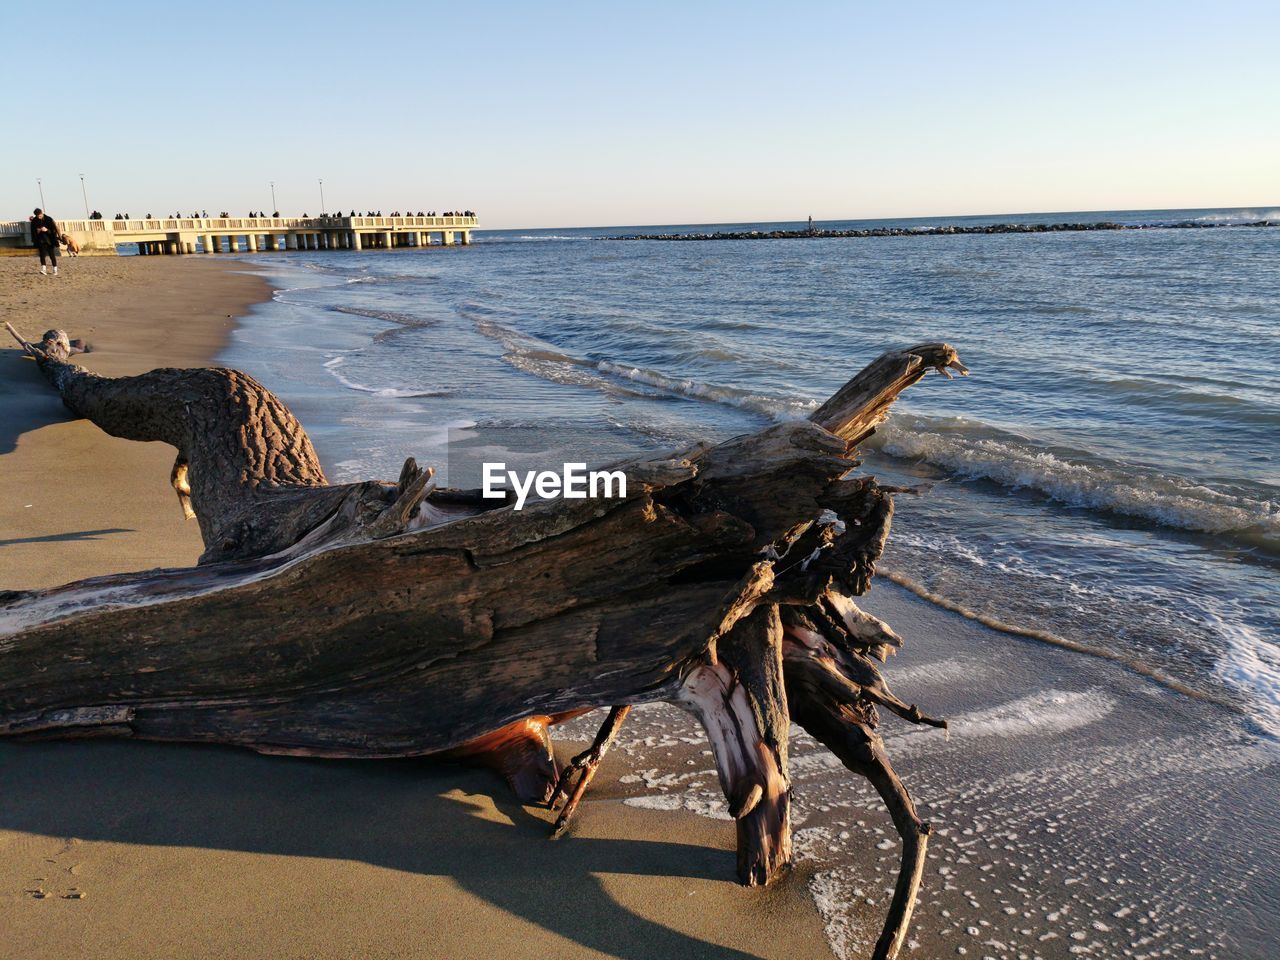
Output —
(250, 224)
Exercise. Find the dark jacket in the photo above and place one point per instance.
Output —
(50, 237)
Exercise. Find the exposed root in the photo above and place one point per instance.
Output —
(847, 729)
(752, 769)
(520, 751)
(584, 765)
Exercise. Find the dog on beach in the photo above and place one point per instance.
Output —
(73, 248)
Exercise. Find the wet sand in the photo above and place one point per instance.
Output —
(1080, 809)
(134, 850)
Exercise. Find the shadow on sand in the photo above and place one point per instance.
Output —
(28, 400)
(75, 535)
(404, 815)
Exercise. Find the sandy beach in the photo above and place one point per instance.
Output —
(1081, 808)
(115, 850)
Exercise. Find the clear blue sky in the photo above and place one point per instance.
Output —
(542, 114)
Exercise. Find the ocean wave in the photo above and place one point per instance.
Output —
(545, 361)
(390, 316)
(334, 363)
(775, 407)
(1192, 402)
(528, 353)
(1239, 216)
(974, 450)
(392, 278)
(1251, 665)
(1047, 712)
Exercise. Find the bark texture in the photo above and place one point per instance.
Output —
(389, 619)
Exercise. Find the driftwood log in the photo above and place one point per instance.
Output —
(392, 619)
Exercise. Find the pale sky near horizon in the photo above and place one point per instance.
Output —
(573, 114)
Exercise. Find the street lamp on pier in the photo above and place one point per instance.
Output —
(275, 207)
(320, 180)
(40, 186)
(84, 194)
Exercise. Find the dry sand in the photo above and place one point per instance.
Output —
(111, 849)
(74, 502)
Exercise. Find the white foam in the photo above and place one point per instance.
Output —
(390, 392)
(1047, 712)
(702, 805)
(1252, 664)
(544, 359)
(1239, 216)
(831, 893)
(775, 407)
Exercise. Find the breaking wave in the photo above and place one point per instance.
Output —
(965, 448)
(973, 450)
(1240, 216)
(333, 364)
(543, 359)
(775, 407)
(390, 316)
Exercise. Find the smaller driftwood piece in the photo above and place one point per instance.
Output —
(394, 618)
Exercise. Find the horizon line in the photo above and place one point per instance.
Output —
(954, 216)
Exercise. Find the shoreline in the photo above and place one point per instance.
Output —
(1061, 801)
(1067, 780)
(158, 850)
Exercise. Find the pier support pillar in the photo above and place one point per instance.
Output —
(355, 239)
(291, 241)
(466, 238)
(272, 243)
(207, 242)
(251, 242)
(387, 239)
(446, 237)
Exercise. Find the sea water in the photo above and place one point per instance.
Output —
(1106, 480)
(1108, 477)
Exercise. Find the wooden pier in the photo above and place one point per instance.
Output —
(176, 235)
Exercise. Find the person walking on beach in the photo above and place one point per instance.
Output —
(44, 234)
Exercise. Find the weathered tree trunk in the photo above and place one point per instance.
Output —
(383, 619)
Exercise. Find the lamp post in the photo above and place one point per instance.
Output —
(40, 185)
(274, 206)
(320, 180)
(84, 194)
